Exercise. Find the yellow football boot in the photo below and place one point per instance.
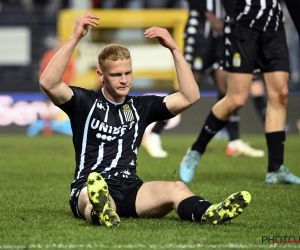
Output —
(233, 206)
(98, 195)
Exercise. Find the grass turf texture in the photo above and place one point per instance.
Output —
(35, 177)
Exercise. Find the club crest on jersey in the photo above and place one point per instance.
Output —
(127, 113)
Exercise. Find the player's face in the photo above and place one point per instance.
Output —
(117, 79)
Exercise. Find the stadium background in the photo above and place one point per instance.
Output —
(28, 28)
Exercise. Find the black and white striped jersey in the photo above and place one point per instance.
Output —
(106, 136)
(197, 22)
(259, 14)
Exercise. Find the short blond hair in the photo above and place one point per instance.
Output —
(113, 52)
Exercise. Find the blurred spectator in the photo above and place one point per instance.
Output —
(70, 72)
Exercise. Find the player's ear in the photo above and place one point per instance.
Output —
(99, 72)
(100, 76)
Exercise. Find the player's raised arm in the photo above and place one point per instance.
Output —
(189, 92)
(50, 79)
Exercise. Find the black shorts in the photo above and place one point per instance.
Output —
(246, 49)
(123, 193)
(203, 54)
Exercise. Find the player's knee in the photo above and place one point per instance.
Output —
(180, 187)
(283, 95)
(238, 103)
(280, 97)
(235, 101)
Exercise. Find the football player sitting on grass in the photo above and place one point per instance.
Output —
(108, 126)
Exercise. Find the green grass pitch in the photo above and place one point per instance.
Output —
(35, 177)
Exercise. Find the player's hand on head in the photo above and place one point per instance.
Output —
(162, 35)
(83, 23)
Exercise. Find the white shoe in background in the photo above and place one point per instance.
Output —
(152, 143)
(238, 147)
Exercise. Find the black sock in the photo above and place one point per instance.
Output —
(260, 107)
(159, 126)
(95, 218)
(192, 208)
(275, 143)
(211, 126)
(233, 127)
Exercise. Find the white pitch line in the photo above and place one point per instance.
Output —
(155, 246)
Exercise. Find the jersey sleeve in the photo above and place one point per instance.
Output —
(157, 108)
(71, 106)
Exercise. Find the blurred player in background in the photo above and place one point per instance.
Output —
(254, 38)
(203, 51)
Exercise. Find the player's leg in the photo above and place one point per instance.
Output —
(164, 197)
(237, 94)
(277, 88)
(232, 127)
(258, 97)
(274, 50)
(236, 146)
(236, 97)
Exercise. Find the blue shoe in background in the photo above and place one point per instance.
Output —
(188, 165)
(282, 176)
